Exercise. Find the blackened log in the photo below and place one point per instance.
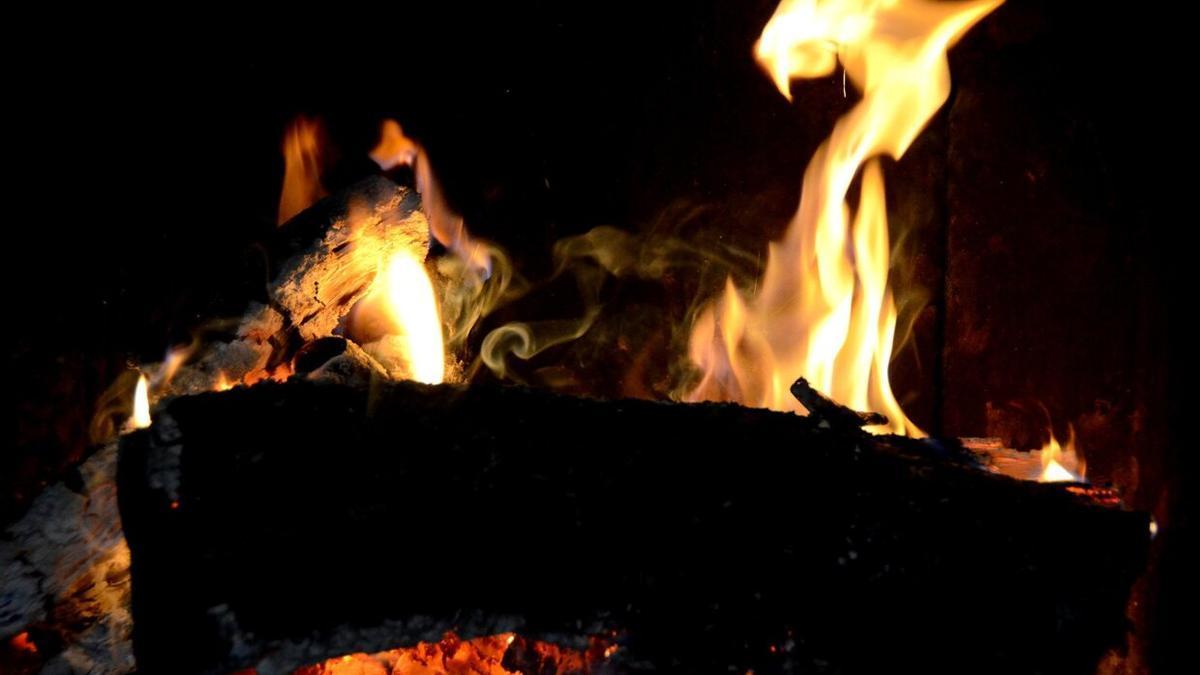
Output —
(279, 524)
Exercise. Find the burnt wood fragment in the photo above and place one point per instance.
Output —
(823, 408)
(276, 525)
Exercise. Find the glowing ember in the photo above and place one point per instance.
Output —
(503, 654)
(1062, 464)
(823, 309)
(22, 643)
(302, 168)
(412, 308)
(140, 419)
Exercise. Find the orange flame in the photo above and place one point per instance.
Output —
(447, 226)
(823, 309)
(302, 168)
(1062, 464)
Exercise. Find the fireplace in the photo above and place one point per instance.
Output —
(826, 337)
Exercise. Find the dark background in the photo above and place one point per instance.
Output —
(1047, 210)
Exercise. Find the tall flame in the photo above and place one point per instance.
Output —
(412, 308)
(823, 309)
(302, 168)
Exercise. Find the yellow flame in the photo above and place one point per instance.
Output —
(302, 168)
(141, 404)
(412, 308)
(1062, 464)
(823, 309)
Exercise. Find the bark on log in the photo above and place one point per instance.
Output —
(276, 525)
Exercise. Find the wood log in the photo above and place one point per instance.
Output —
(320, 264)
(280, 524)
(324, 268)
(64, 576)
(65, 563)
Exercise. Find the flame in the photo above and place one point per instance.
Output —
(223, 383)
(1062, 464)
(140, 419)
(412, 308)
(823, 309)
(394, 148)
(302, 168)
(171, 363)
(447, 226)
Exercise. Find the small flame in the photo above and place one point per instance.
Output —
(141, 404)
(412, 308)
(170, 365)
(1062, 464)
(823, 308)
(394, 148)
(302, 168)
(223, 383)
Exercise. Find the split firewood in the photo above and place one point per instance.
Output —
(320, 282)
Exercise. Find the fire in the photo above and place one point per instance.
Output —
(447, 226)
(302, 168)
(1062, 464)
(412, 309)
(140, 419)
(823, 308)
(503, 654)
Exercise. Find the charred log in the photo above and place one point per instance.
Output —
(276, 525)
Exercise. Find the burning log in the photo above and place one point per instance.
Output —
(320, 263)
(323, 272)
(280, 524)
(66, 581)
